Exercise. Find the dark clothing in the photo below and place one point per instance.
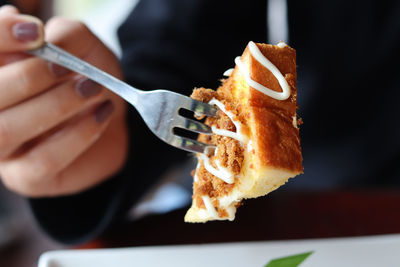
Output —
(347, 57)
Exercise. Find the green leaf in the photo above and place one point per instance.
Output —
(289, 261)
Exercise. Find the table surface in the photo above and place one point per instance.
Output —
(279, 216)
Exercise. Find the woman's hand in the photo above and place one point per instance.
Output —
(60, 133)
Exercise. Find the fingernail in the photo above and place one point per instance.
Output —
(104, 111)
(26, 31)
(87, 88)
(58, 70)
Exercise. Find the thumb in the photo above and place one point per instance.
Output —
(19, 32)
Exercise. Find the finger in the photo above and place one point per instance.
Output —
(8, 58)
(35, 116)
(19, 32)
(68, 33)
(71, 35)
(99, 162)
(20, 79)
(32, 173)
(24, 79)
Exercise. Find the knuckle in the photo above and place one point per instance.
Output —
(74, 25)
(79, 27)
(57, 22)
(14, 179)
(27, 177)
(71, 35)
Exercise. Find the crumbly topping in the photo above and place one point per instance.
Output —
(230, 155)
(203, 94)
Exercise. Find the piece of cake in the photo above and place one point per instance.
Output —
(255, 134)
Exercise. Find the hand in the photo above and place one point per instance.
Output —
(60, 133)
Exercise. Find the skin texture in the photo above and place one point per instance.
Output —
(52, 142)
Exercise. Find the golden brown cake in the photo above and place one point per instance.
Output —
(255, 133)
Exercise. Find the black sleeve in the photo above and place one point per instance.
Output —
(169, 44)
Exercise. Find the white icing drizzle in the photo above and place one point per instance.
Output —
(281, 44)
(235, 135)
(225, 171)
(222, 173)
(228, 72)
(256, 53)
(210, 207)
(250, 146)
(212, 211)
(229, 205)
(195, 178)
(231, 212)
(294, 122)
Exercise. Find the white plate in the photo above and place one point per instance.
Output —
(345, 252)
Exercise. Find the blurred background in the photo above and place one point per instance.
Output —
(21, 242)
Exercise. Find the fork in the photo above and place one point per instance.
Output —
(159, 108)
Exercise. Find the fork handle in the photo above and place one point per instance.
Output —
(53, 53)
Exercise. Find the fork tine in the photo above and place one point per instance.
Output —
(199, 108)
(194, 126)
(190, 145)
(158, 108)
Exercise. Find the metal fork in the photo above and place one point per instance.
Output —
(159, 108)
